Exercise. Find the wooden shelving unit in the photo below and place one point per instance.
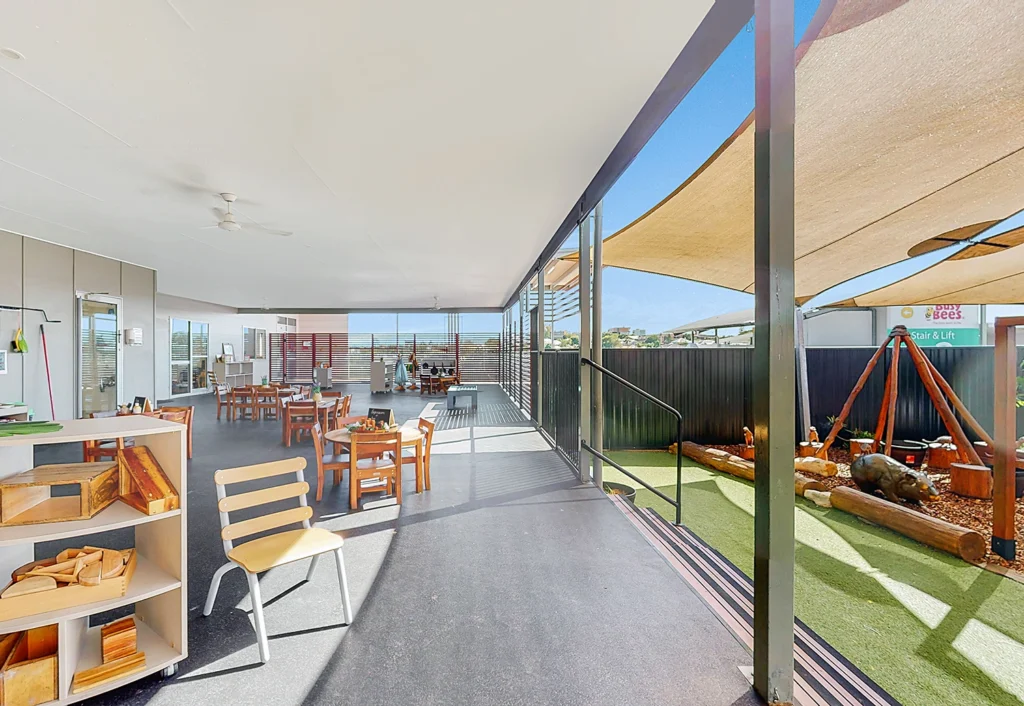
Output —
(158, 587)
(234, 374)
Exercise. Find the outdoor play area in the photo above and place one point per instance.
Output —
(925, 625)
(906, 562)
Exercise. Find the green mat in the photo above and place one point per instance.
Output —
(21, 428)
(928, 627)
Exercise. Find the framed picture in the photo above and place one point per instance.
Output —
(3, 362)
(228, 350)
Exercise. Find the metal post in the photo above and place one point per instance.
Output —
(596, 381)
(774, 350)
(523, 298)
(539, 370)
(801, 362)
(584, 292)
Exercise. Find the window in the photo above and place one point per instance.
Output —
(254, 343)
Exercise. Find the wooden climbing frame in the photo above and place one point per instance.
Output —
(938, 390)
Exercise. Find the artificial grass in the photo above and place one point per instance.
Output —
(926, 626)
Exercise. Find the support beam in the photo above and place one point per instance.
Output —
(584, 292)
(1004, 537)
(539, 336)
(596, 381)
(774, 395)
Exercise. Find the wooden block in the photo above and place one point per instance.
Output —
(105, 673)
(112, 563)
(20, 573)
(91, 574)
(25, 498)
(970, 481)
(118, 639)
(18, 605)
(31, 584)
(29, 667)
(144, 485)
(41, 641)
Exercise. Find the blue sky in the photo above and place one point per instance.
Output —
(719, 102)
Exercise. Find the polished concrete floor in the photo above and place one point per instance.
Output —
(507, 583)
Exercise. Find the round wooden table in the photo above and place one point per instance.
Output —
(411, 436)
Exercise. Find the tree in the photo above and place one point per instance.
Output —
(611, 340)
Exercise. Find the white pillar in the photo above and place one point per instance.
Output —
(596, 354)
(584, 292)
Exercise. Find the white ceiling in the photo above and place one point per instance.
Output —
(414, 149)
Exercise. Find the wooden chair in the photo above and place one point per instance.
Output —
(266, 402)
(326, 462)
(267, 552)
(299, 416)
(306, 391)
(427, 427)
(242, 399)
(428, 382)
(100, 449)
(224, 398)
(189, 415)
(374, 475)
(346, 405)
(330, 393)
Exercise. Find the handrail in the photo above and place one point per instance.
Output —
(678, 502)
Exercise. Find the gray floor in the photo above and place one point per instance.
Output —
(508, 583)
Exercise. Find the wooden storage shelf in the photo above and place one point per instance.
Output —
(234, 374)
(158, 586)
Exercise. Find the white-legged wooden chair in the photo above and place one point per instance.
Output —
(264, 553)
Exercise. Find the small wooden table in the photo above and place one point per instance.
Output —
(411, 436)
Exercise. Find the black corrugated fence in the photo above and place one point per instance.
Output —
(712, 389)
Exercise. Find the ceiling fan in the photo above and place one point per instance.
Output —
(226, 219)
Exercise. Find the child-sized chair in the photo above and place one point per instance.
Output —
(267, 552)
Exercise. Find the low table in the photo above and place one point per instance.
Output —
(455, 391)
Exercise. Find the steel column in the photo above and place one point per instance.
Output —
(596, 381)
(774, 398)
(539, 370)
(584, 293)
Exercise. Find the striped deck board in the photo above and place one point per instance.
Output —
(822, 676)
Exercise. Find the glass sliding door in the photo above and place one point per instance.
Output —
(200, 356)
(190, 356)
(180, 358)
(99, 354)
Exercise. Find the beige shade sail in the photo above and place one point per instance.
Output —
(908, 128)
(987, 272)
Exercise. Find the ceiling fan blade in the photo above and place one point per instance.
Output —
(260, 226)
(282, 233)
(219, 213)
(207, 227)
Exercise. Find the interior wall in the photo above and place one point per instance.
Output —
(225, 327)
(46, 276)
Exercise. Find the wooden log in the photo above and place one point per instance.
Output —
(815, 466)
(959, 541)
(964, 446)
(883, 410)
(941, 456)
(848, 405)
(970, 481)
(890, 423)
(734, 465)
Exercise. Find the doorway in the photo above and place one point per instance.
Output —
(99, 354)
(190, 356)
